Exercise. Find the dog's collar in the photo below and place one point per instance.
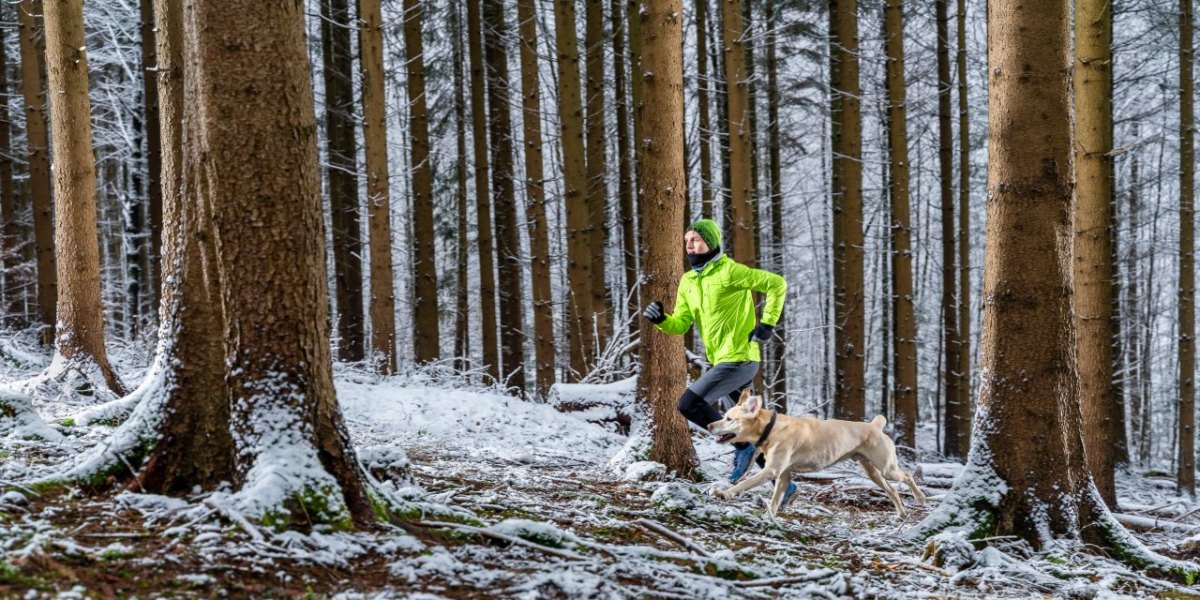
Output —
(766, 431)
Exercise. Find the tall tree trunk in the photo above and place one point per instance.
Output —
(580, 305)
(624, 162)
(462, 335)
(1093, 222)
(483, 199)
(342, 174)
(1187, 261)
(195, 446)
(150, 254)
(1026, 474)
(10, 228)
(662, 376)
(29, 14)
(963, 408)
(955, 444)
(904, 335)
(740, 134)
(775, 168)
(636, 93)
(535, 200)
(425, 308)
(80, 334)
(251, 95)
(596, 166)
(133, 218)
(379, 215)
(846, 132)
(508, 239)
(702, 81)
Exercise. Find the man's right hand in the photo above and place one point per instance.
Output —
(654, 312)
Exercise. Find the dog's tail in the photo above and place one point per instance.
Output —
(879, 421)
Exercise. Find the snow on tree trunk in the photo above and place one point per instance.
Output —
(1026, 474)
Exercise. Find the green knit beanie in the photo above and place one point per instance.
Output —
(709, 231)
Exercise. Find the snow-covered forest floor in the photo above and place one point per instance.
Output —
(514, 499)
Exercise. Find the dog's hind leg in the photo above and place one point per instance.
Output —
(894, 473)
(877, 477)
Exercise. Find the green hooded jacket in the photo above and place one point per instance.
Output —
(717, 298)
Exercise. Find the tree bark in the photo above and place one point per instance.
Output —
(10, 228)
(625, 163)
(508, 246)
(462, 336)
(956, 429)
(904, 334)
(846, 132)
(195, 447)
(963, 409)
(662, 377)
(1187, 262)
(535, 199)
(702, 81)
(596, 166)
(740, 134)
(342, 173)
(251, 96)
(775, 169)
(1026, 474)
(425, 308)
(1093, 223)
(1135, 380)
(29, 15)
(379, 219)
(80, 335)
(150, 255)
(483, 199)
(579, 250)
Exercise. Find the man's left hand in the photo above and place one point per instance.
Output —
(762, 333)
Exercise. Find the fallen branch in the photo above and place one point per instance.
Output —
(674, 537)
(819, 575)
(503, 537)
(1147, 524)
(28, 491)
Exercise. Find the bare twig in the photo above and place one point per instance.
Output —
(237, 518)
(506, 538)
(819, 575)
(675, 537)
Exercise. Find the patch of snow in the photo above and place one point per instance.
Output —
(646, 469)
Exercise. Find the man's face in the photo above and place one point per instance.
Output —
(693, 243)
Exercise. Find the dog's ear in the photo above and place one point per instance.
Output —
(742, 399)
(753, 405)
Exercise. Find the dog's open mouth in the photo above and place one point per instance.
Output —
(725, 438)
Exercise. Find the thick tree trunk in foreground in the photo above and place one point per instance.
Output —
(195, 447)
(1093, 222)
(425, 309)
(1026, 474)
(80, 335)
(29, 14)
(382, 307)
(579, 251)
(535, 201)
(251, 95)
(342, 174)
(846, 131)
(662, 377)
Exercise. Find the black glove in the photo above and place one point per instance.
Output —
(654, 312)
(762, 333)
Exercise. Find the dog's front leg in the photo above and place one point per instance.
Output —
(750, 482)
(781, 485)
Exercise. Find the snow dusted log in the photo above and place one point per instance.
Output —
(609, 404)
(19, 418)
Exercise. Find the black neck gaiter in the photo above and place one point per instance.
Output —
(699, 260)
